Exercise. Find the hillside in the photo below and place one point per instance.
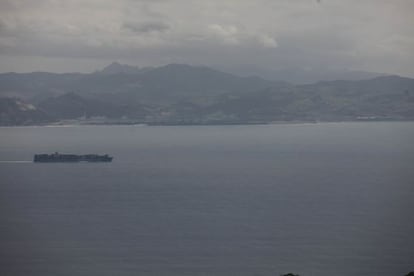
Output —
(183, 94)
(154, 85)
(17, 112)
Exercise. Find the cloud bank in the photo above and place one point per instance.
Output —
(81, 35)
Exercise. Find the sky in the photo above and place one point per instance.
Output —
(85, 35)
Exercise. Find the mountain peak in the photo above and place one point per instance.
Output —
(118, 68)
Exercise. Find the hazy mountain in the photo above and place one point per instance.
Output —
(163, 84)
(382, 98)
(72, 106)
(179, 81)
(179, 93)
(37, 86)
(17, 112)
(117, 68)
(300, 75)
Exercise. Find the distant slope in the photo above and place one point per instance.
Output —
(16, 112)
(117, 68)
(38, 85)
(382, 98)
(167, 84)
(163, 84)
(73, 106)
(301, 76)
(178, 93)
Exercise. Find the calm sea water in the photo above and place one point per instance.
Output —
(314, 199)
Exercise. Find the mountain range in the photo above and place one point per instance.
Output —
(184, 94)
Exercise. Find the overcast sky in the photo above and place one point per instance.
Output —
(84, 35)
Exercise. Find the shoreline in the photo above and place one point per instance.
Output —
(80, 124)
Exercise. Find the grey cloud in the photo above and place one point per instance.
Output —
(7, 5)
(375, 35)
(147, 27)
(3, 25)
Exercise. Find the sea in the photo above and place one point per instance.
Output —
(318, 199)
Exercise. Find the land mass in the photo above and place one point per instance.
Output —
(183, 94)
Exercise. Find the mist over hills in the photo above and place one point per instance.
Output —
(300, 76)
(184, 94)
(117, 68)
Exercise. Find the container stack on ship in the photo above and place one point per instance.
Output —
(58, 157)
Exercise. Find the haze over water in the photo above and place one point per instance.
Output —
(314, 199)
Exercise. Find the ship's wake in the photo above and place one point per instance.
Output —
(16, 161)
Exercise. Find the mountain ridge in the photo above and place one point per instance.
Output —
(185, 94)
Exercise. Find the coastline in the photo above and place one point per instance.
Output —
(151, 124)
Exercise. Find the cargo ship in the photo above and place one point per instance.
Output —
(58, 157)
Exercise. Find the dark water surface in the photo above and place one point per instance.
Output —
(314, 199)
